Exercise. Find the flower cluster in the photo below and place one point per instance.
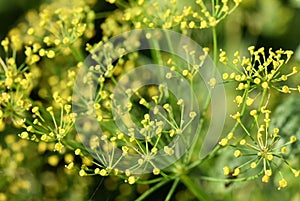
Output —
(40, 128)
(263, 69)
(264, 149)
(57, 27)
(169, 15)
(16, 84)
(261, 146)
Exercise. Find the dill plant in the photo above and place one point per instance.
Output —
(140, 103)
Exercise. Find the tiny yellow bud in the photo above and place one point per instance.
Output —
(253, 112)
(265, 179)
(58, 147)
(223, 142)
(285, 89)
(236, 172)
(265, 85)
(70, 166)
(226, 170)
(131, 180)
(230, 136)
(50, 54)
(154, 150)
(284, 77)
(270, 157)
(225, 76)
(103, 172)
(156, 171)
(192, 115)
(236, 116)
(284, 150)
(293, 139)
(268, 173)
(282, 184)
(256, 80)
(212, 82)
(243, 142)
(237, 153)
(82, 173)
(185, 72)
(77, 151)
(24, 135)
(249, 101)
(253, 165)
(239, 99)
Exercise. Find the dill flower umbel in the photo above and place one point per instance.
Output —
(263, 69)
(56, 27)
(40, 128)
(261, 147)
(172, 15)
(264, 149)
(16, 84)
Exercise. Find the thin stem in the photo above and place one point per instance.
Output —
(172, 189)
(3, 64)
(155, 52)
(76, 54)
(215, 54)
(152, 189)
(196, 190)
(196, 146)
(102, 14)
(122, 4)
(150, 181)
(209, 156)
(232, 180)
(215, 45)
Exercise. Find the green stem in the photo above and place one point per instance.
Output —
(198, 192)
(172, 189)
(76, 54)
(196, 146)
(207, 157)
(150, 181)
(262, 99)
(155, 52)
(122, 4)
(102, 15)
(215, 55)
(215, 45)
(232, 180)
(152, 189)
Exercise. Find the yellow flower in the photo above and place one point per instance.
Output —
(243, 142)
(156, 171)
(131, 180)
(285, 89)
(239, 100)
(253, 165)
(282, 184)
(226, 170)
(265, 179)
(236, 172)
(103, 172)
(293, 139)
(223, 142)
(237, 153)
(212, 82)
(82, 173)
